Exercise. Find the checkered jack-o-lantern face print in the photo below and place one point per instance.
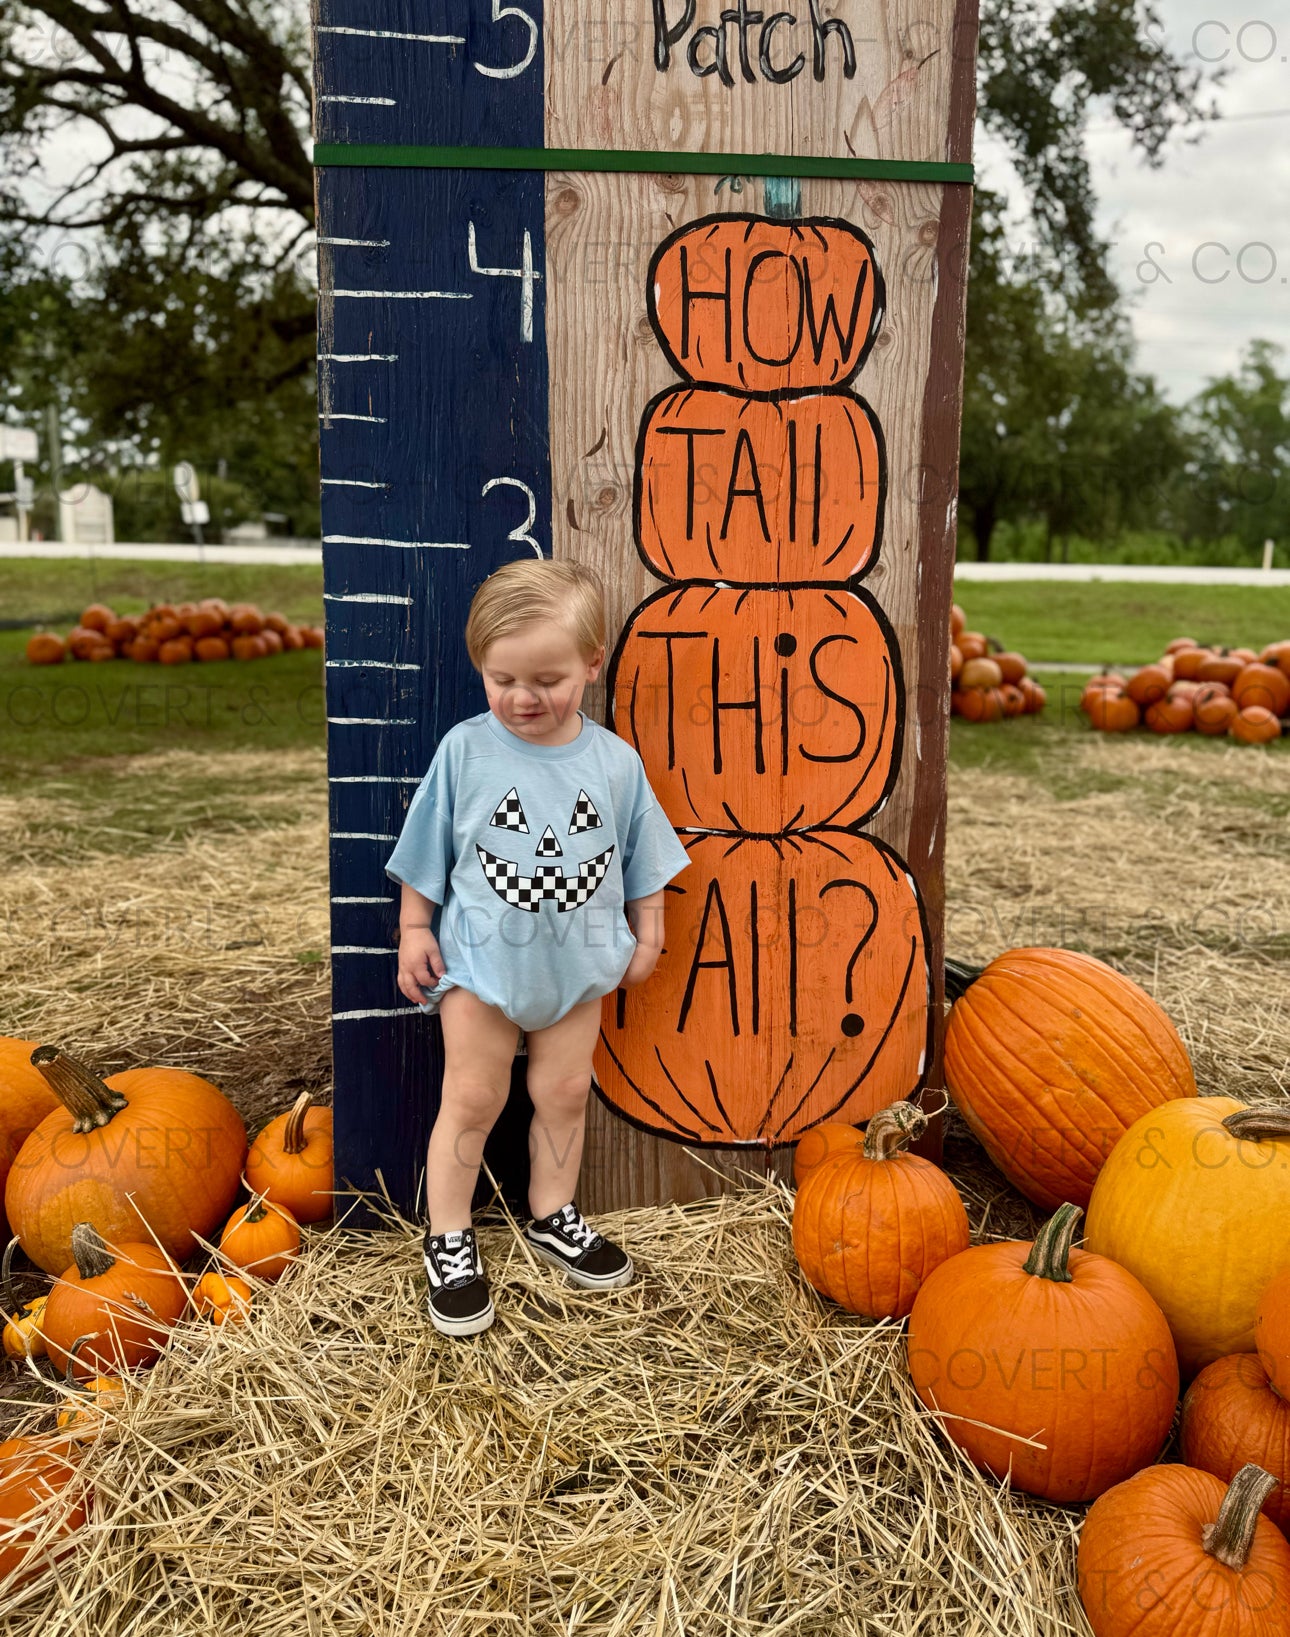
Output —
(548, 881)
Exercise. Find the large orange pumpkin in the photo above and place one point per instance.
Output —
(118, 1301)
(154, 1146)
(1047, 1365)
(870, 1223)
(1174, 1552)
(765, 306)
(36, 1515)
(1231, 1415)
(759, 712)
(737, 489)
(793, 989)
(1264, 685)
(1050, 1057)
(25, 1100)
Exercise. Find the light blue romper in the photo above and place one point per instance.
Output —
(531, 852)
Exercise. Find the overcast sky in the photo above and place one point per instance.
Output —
(1202, 244)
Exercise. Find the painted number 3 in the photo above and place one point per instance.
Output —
(500, 14)
(520, 533)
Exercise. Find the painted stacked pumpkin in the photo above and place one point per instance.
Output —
(763, 693)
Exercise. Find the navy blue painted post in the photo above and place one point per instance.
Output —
(432, 389)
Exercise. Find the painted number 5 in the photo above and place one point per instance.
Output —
(500, 13)
(521, 532)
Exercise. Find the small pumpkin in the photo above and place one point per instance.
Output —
(871, 1222)
(222, 1298)
(1272, 1333)
(1213, 710)
(203, 622)
(1050, 1057)
(290, 1162)
(1014, 701)
(958, 619)
(116, 1303)
(143, 650)
(1188, 661)
(271, 640)
(46, 648)
(1149, 684)
(314, 635)
(977, 704)
(1033, 694)
(154, 1145)
(80, 1416)
(1049, 1366)
(1111, 710)
(178, 651)
(1174, 1552)
(980, 673)
(1194, 1200)
(1172, 714)
(22, 1333)
(1220, 667)
(1012, 666)
(820, 1143)
(1232, 1415)
(25, 1100)
(292, 640)
(40, 1507)
(245, 619)
(261, 1238)
(97, 617)
(208, 649)
(1278, 654)
(1255, 725)
(1264, 685)
(122, 631)
(1179, 643)
(973, 644)
(248, 646)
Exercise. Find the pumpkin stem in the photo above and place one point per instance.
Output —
(893, 1129)
(6, 1277)
(92, 1257)
(1258, 1120)
(959, 978)
(1050, 1253)
(1230, 1539)
(293, 1134)
(88, 1099)
(72, 1351)
(255, 1211)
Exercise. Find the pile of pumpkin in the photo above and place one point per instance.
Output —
(174, 634)
(1059, 1368)
(163, 1155)
(1214, 691)
(988, 681)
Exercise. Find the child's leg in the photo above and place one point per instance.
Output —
(479, 1048)
(559, 1079)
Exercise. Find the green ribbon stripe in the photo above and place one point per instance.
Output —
(626, 159)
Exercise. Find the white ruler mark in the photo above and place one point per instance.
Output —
(371, 102)
(387, 34)
(373, 721)
(409, 295)
(353, 483)
(365, 597)
(378, 420)
(361, 357)
(373, 778)
(362, 949)
(359, 835)
(376, 664)
(338, 898)
(374, 540)
(358, 244)
(388, 1011)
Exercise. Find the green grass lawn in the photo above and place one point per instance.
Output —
(53, 591)
(1100, 622)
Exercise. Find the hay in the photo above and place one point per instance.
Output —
(712, 1449)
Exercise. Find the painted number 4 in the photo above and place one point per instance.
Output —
(500, 14)
(525, 272)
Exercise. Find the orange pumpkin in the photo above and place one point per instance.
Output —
(1278, 654)
(178, 651)
(118, 1302)
(290, 1162)
(25, 1100)
(154, 1146)
(246, 619)
(1049, 1366)
(977, 704)
(261, 1238)
(1110, 710)
(122, 631)
(1188, 661)
(1033, 694)
(249, 647)
(292, 639)
(871, 1222)
(973, 645)
(271, 640)
(203, 622)
(1148, 685)
(1213, 710)
(1232, 1415)
(313, 635)
(1050, 1056)
(820, 1143)
(46, 648)
(1255, 725)
(765, 306)
(760, 711)
(956, 662)
(211, 649)
(222, 1298)
(40, 1506)
(1220, 667)
(1179, 643)
(1173, 1552)
(1014, 701)
(162, 627)
(958, 619)
(143, 650)
(793, 989)
(980, 673)
(1272, 1333)
(1263, 685)
(1172, 714)
(97, 617)
(736, 489)
(1012, 667)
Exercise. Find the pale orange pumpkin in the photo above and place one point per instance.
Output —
(290, 1162)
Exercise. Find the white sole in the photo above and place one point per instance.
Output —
(462, 1327)
(623, 1278)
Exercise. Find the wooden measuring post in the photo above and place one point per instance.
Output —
(674, 288)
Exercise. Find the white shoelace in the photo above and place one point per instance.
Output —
(458, 1265)
(573, 1222)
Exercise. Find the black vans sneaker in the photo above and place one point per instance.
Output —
(587, 1257)
(459, 1301)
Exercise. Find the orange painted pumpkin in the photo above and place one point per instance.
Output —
(40, 1506)
(821, 1142)
(1255, 725)
(1174, 1552)
(737, 489)
(1264, 685)
(1232, 1415)
(154, 1146)
(1144, 687)
(871, 1222)
(1047, 1365)
(765, 306)
(290, 1162)
(793, 989)
(261, 1238)
(756, 712)
(118, 1302)
(1050, 1056)
(1272, 1333)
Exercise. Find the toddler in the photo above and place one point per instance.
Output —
(532, 860)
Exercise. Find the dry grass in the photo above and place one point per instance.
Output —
(714, 1449)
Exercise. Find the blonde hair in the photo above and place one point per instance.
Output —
(532, 589)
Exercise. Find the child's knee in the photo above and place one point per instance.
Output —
(564, 1092)
(468, 1098)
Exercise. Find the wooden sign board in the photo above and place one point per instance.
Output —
(675, 289)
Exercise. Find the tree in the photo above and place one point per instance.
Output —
(1239, 483)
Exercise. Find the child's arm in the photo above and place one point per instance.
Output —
(420, 961)
(645, 917)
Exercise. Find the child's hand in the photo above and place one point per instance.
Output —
(420, 962)
(643, 961)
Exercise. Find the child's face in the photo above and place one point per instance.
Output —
(534, 680)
